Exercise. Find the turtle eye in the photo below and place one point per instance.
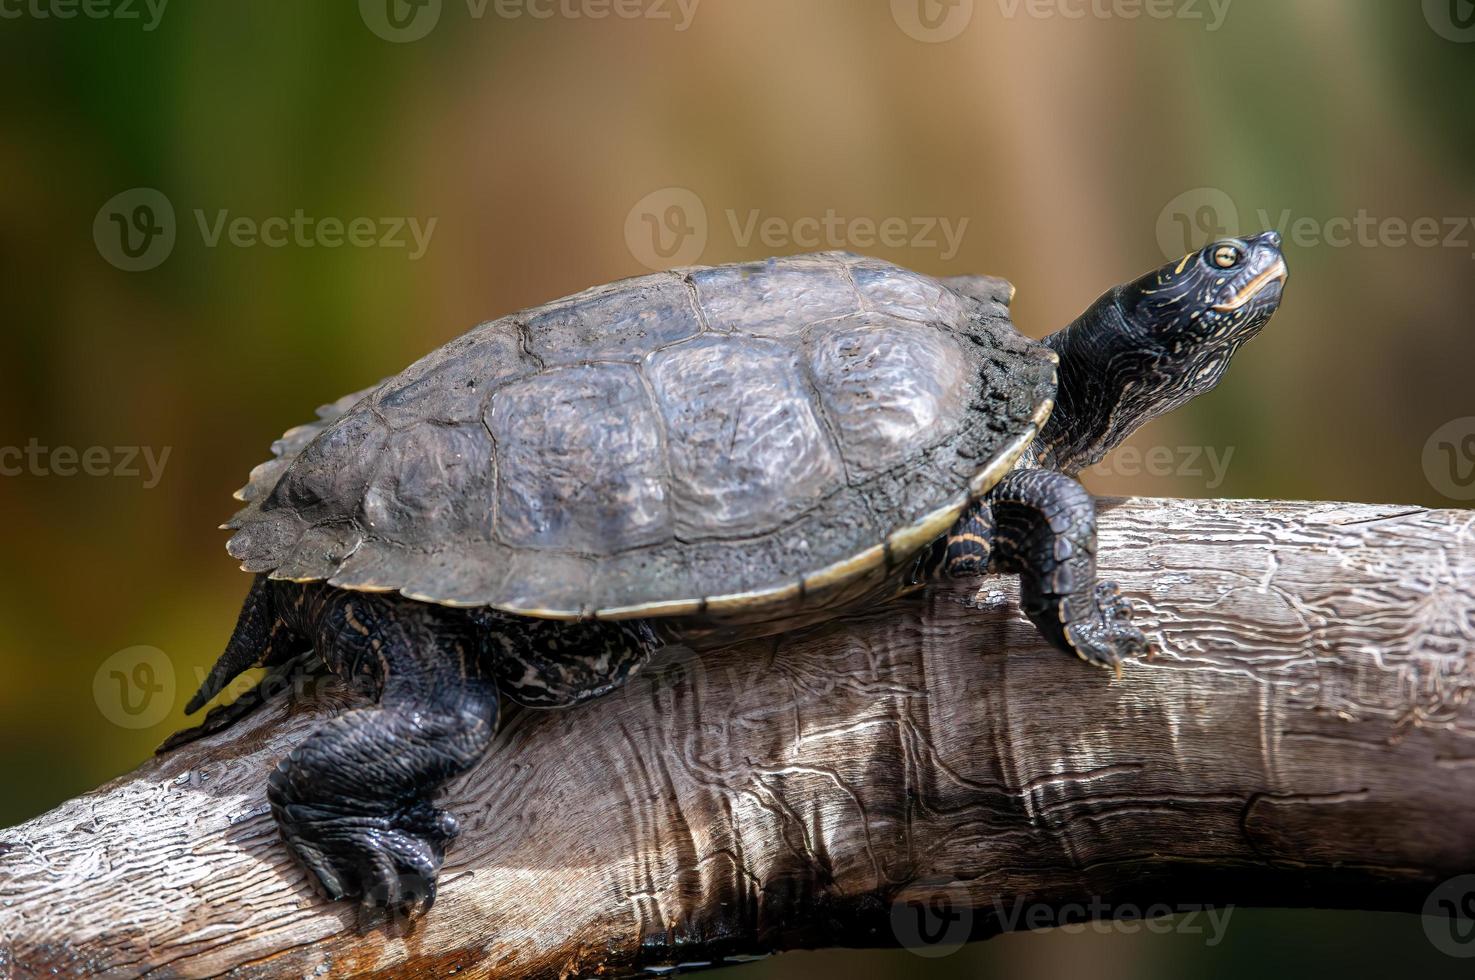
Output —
(1226, 256)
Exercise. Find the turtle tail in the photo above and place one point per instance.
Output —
(256, 642)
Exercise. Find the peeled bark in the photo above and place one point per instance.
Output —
(1304, 737)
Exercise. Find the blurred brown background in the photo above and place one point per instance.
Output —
(1065, 144)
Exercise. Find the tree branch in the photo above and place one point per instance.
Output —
(1304, 738)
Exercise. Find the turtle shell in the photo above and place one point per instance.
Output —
(737, 439)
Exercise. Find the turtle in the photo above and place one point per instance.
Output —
(699, 456)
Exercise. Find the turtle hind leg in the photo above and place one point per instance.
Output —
(354, 801)
(261, 638)
(221, 717)
(1044, 528)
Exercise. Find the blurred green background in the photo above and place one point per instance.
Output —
(1065, 144)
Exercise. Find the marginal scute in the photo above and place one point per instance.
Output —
(375, 566)
(265, 476)
(778, 445)
(318, 553)
(989, 290)
(262, 542)
(332, 471)
(459, 573)
(542, 580)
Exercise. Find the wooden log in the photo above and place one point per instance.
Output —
(1304, 737)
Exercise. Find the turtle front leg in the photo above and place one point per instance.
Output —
(1041, 525)
(1045, 530)
(353, 802)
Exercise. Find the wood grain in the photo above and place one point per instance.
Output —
(1303, 738)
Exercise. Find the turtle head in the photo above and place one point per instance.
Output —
(1156, 343)
(1190, 316)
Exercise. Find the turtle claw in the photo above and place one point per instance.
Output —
(1107, 635)
(397, 891)
(388, 861)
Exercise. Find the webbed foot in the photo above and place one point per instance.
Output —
(1107, 635)
(353, 801)
(1044, 528)
(387, 861)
